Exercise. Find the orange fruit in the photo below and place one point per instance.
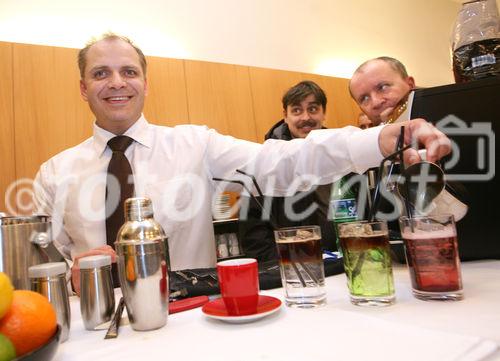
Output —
(30, 322)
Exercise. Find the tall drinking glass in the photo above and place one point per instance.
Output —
(432, 257)
(367, 263)
(301, 266)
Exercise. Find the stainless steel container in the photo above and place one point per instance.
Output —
(49, 279)
(142, 266)
(97, 297)
(25, 242)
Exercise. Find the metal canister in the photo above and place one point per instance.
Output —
(49, 279)
(97, 297)
(142, 256)
(25, 242)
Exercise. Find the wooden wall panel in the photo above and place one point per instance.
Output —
(50, 115)
(219, 95)
(166, 102)
(268, 87)
(7, 149)
(341, 109)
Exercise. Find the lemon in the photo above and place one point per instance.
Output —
(6, 293)
(7, 350)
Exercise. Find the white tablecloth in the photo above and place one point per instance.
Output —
(409, 330)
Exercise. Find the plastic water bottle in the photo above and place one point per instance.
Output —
(343, 205)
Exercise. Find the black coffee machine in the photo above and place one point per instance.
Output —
(469, 114)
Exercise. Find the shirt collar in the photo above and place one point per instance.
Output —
(138, 132)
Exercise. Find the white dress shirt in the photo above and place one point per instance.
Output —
(174, 167)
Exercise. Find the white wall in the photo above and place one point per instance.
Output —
(328, 37)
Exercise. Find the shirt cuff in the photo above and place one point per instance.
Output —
(364, 149)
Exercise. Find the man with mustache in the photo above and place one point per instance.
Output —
(304, 110)
(304, 107)
(380, 85)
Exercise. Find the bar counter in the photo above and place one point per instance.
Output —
(410, 329)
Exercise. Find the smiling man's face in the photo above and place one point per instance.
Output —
(114, 84)
(304, 117)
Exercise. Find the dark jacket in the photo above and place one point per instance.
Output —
(256, 235)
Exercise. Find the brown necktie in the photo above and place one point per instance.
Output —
(119, 187)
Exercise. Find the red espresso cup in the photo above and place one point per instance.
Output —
(239, 285)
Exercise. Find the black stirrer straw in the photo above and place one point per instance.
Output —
(407, 191)
(272, 220)
(391, 157)
(254, 181)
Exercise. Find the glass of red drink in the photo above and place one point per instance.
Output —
(432, 256)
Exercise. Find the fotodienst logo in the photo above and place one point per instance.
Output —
(182, 197)
(483, 168)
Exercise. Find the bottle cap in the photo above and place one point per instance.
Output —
(138, 209)
(47, 270)
(94, 261)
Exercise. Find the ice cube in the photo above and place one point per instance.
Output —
(303, 234)
(367, 230)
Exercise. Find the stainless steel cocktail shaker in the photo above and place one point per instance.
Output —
(141, 247)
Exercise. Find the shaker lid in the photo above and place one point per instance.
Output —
(47, 269)
(138, 208)
(94, 261)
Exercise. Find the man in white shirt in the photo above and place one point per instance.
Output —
(175, 166)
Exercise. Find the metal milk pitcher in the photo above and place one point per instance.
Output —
(141, 247)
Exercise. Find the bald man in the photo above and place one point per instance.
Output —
(379, 85)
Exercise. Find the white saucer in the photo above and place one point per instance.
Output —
(217, 310)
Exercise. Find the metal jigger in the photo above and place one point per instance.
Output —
(423, 182)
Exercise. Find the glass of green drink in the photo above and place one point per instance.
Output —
(367, 263)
